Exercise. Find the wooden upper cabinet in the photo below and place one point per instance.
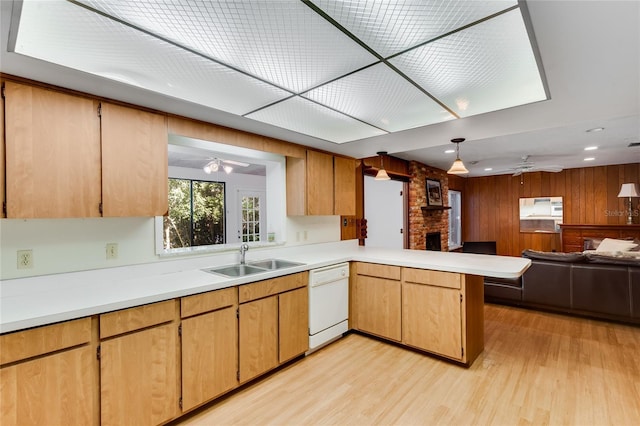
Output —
(319, 183)
(344, 186)
(134, 162)
(52, 154)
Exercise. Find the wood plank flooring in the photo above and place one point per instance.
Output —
(537, 369)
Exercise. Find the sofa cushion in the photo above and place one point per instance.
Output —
(613, 245)
(548, 284)
(613, 260)
(553, 256)
(601, 289)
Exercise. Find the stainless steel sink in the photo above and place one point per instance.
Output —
(235, 270)
(240, 270)
(271, 264)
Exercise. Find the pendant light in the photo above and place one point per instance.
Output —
(458, 168)
(382, 173)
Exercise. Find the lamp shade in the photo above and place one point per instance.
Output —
(458, 168)
(629, 190)
(382, 175)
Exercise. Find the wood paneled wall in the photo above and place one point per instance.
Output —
(590, 196)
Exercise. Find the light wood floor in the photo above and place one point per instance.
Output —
(537, 369)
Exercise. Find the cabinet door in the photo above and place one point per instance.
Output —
(258, 337)
(55, 389)
(52, 154)
(134, 162)
(293, 321)
(209, 356)
(378, 304)
(319, 183)
(139, 377)
(344, 186)
(432, 319)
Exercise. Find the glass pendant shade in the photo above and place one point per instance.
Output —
(458, 168)
(382, 175)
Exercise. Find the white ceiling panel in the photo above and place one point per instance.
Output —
(304, 116)
(71, 36)
(381, 97)
(487, 67)
(283, 42)
(392, 26)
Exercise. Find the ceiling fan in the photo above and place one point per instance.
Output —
(215, 164)
(525, 166)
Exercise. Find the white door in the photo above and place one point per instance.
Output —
(251, 206)
(384, 211)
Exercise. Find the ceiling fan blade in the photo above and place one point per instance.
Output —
(235, 163)
(552, 169)
(517, 173)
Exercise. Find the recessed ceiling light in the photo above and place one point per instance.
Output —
(591, 148)
(450, 151)
(595, 129)
(589, 158)
(488, 169)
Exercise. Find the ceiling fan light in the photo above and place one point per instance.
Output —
(207, 169)
(227, 169)
(458, 168)
(382, 175)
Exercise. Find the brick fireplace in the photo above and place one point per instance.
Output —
(422, 222)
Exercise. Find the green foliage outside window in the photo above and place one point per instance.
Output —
(196, 214)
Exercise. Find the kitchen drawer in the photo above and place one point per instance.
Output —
(21, 345)
(380, 271)
(435, 278)
(207, 302)
(132, 319)
(260, 289)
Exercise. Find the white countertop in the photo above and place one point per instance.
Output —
(35, 301)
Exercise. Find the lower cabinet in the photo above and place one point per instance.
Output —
(258, 337)
(268, 334)
(209, 346)
(139, 381)
(378, 301)
(48, 376)
(293, 323)
(438, 312)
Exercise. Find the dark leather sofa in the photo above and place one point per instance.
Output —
(588, 285)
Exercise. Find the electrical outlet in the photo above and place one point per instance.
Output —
(25, 259)
(112, 250)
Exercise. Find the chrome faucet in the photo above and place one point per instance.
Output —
(243, 251)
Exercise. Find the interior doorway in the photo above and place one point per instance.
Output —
(384, 209)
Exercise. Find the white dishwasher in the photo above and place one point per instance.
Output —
(328, 304)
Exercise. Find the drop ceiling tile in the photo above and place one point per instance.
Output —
(304, 116)
(390, 27)
(281, 41)
(381, 97)
(71, 36)
(487, 67)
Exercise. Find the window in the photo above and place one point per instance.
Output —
(196, 214)
(455, 221)
(250, 218)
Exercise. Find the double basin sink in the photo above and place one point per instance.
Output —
(242, 269)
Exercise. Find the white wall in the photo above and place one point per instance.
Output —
(68, 245)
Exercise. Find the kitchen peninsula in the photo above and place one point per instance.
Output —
(73, 325)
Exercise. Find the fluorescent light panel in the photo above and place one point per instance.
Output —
(246, 57)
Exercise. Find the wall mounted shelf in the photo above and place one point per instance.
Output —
(434, 208)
